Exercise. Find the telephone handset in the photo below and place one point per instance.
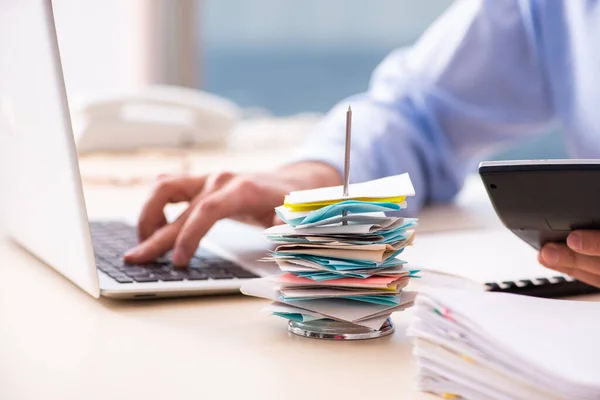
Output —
(155, 117)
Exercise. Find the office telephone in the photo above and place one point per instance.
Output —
(158, 116)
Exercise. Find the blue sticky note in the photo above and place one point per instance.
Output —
(385, 300)
(297, 317)
(339, 264)
(382, 300)
(349, 206)
(321, 276)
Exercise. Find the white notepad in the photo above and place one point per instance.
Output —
(471, 259)
(391, 186)
(507, 345)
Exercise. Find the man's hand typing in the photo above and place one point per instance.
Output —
(249, 198)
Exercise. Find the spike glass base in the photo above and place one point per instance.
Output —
(338, 330)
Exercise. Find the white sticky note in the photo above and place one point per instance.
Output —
(391, 186)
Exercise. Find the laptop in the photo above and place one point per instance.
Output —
(42, 204)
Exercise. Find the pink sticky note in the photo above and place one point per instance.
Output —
(374, 281)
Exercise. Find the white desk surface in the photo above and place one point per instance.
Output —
(56, 342)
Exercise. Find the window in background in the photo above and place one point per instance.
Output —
(292, 57)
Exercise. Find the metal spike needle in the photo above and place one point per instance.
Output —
(347, 158)
(347, 155)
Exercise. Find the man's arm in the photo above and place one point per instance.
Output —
(471, 83)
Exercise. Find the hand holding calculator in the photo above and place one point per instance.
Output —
(554, 205)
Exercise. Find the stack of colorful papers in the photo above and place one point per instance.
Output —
(487, 345)
(339, 256)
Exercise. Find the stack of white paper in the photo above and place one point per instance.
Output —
(339, 256)
(485, 345)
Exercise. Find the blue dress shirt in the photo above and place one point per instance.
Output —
(486, 74)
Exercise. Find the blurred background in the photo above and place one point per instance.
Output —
(279, 58)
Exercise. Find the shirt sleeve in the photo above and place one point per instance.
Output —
(471, 84)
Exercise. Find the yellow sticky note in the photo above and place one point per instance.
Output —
(319, 204)
(467, 359)
(450, 396)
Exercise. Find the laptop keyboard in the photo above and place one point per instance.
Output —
(112, 239)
